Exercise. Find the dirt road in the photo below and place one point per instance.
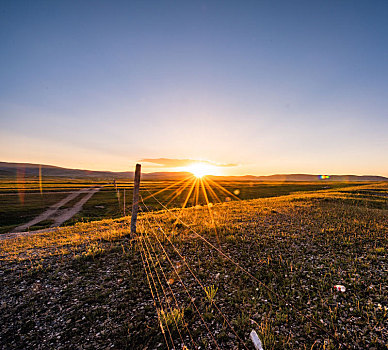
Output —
(69, 213)
(60, 216)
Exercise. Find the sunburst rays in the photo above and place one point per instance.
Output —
(195, 191)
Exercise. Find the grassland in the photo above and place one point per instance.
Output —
(85, 286)
(21, 201)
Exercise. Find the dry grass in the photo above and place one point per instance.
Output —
(85, 286)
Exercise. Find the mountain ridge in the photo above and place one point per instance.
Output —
(8, 169)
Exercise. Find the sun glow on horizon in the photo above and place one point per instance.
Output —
(200, 169)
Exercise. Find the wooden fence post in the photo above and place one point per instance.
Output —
(124, 202)
(135, 204)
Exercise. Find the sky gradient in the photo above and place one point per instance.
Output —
(264, 86)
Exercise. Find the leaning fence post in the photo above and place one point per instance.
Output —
(124, 201)
(135, 203)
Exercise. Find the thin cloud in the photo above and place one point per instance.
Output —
(177, 163)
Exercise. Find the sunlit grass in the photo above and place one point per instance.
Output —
(300, 245)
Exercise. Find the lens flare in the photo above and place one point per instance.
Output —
(199, 169)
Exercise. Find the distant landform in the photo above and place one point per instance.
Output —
(17, 170)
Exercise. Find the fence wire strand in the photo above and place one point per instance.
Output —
(270, 290)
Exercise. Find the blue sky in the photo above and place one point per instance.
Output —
(272, 86)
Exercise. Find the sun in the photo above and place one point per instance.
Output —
(199, 169)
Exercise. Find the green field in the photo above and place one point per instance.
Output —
(20, 202)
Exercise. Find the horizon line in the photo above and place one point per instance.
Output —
(172, 172)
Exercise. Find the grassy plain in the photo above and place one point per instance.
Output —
(88, 285)
(21, 201)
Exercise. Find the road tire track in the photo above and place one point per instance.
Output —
(69, 213)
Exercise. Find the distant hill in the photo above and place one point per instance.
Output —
(32, 170)
(309, 177)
